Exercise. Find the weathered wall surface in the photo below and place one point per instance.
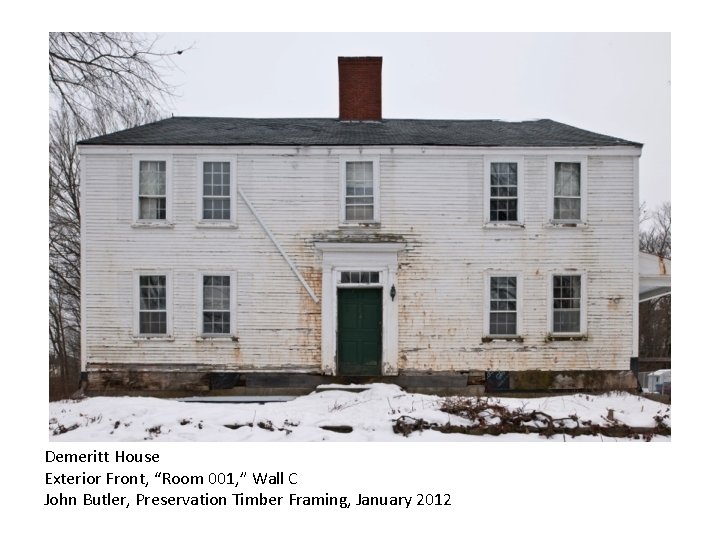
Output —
(432, 200)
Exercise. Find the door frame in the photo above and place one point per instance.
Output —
(338, 257)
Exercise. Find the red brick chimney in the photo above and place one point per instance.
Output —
(360, 87)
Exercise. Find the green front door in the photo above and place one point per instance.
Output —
(359, 331)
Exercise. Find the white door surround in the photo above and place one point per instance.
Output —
(338, 257)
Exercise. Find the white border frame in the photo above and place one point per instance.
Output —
(168, 221)
(169, 301)
(488, 160)
(583, 302)
(360, 257)
(199, 306)
(518, 275)
(583, 161)
(375, 159)
(218, 223)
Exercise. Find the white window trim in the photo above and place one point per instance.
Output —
(583, 302)
(519, 306)
(219, 223)
(583, 161)
(376, 188)
(168, 221)
(168, 304)
(520, 191)
(233, 306)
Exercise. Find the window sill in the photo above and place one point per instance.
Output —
(490, 339)
(153, 338)
(152, 225)
(219, 338)
(566, 225)
(566, 337)
(360, 225)
(216, 225)
(503, 225)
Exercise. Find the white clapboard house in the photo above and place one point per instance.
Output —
(257, 255)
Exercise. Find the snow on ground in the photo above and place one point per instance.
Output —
(370, 413)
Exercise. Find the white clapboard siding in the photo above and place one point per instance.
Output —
(433, 200)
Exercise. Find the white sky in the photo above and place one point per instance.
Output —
(616, 84)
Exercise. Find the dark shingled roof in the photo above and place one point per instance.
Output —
(187, 130)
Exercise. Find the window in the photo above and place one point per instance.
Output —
(365, 278)
(566, 305)
(503, 192)
(152, 204)
(216, 310)
(153, 305)
(152, 190)
(359, 191)
(568, 189)
(216, 191)
(503, 306)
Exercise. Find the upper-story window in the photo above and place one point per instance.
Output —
(569, 189)
(152, 204)
(152, 190)
(503, 188)
(217, 190)
(360, 197)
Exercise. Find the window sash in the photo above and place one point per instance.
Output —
(567, 303)
(152, 312)
(503, 306)
(216, 308)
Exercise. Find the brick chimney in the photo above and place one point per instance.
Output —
(360, 87)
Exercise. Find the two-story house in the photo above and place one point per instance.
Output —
(239, 253)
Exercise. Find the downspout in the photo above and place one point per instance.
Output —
(277, 245)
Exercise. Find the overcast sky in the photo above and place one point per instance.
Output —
(616, 84)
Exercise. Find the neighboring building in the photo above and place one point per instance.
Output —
(234, 253)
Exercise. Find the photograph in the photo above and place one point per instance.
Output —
(359, 237)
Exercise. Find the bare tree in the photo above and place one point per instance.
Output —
(655, 238)
(99, 82)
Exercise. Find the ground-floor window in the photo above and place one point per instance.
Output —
(503, 306)
(153, 305)
(567, 298)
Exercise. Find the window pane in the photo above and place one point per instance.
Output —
(503, 324)
(567, 208)
(152, 178)
(153, 322)
(567, 179)
(216, 322)
(152, 208)
(216, 292)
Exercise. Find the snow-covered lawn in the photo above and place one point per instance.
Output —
(370, 414)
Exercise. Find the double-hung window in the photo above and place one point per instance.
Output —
(359, 201)
(152, 203)
(152, 190)
(568, 187)
(217, 311)
(153, 302)
(567, 304)
(503, 192)
(503, 189)
(503, 306)
(217, 187)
